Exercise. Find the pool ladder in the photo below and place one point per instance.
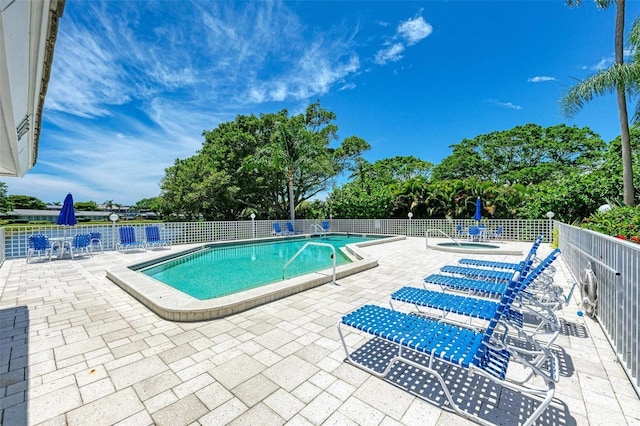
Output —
(313, 243)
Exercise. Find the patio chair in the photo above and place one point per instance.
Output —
(95, 240)
(290, 229)
(461, 232)
(428, 344)
(495, 234)
(153, 237)
(473, 233)
(128, 239)
(277, 230)
(80, 245)
(325, 226)
(40, 244)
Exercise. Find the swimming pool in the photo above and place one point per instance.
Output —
(175, 305)
(216, 271)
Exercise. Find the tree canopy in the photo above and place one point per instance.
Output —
(261, 164)
(5, 204)
(528, 154)
(86, 206)
(26, 202)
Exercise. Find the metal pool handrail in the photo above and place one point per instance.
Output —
(426, 236)
(316, 228)
(333, 250)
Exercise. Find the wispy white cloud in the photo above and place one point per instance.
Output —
(540, 79)
(602, 64)
(509, 105)
(606, 61)
(408, 33)
(348, 86)
(392, 53)
(131, 90)
(415, 29)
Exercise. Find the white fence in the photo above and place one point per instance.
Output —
(2, 249)
(616, 264)
(15, 241)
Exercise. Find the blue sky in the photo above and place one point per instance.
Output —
(134, 84)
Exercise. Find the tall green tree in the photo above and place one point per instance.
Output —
(5, 204)
(153, 204)
(527, 154)
(267, 164)
(620, 77)
(26, 202)
(86, 206)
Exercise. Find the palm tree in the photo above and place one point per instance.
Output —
(619, 77)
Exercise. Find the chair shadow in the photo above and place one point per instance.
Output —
(475, 395)
(14, 364)
(573, 329)
(565, 363)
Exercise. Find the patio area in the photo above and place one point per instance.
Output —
(76, 349)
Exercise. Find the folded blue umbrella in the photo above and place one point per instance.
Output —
(478, 215)
(67, 215)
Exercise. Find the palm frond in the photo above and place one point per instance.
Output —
(625, 76)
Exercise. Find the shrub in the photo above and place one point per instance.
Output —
(621, 222)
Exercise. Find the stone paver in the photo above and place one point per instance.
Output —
(77, 349)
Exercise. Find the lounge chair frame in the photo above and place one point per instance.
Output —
(493, 368)
(484, 309)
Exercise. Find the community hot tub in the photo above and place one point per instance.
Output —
(473, 248)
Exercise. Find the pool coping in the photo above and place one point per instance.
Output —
(174, 305)
(498, 251)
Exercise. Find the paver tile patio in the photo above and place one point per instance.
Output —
(76, 349)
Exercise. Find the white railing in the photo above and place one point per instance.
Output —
(2, 247)
(439, 232)
(333, 256)
(15, 241)
(616, 264)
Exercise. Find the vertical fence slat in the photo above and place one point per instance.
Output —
(618, 294)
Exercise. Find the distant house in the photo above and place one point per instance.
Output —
(28, 215)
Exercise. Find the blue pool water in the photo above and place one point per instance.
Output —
(218, 271)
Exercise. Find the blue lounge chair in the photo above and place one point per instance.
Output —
(479, 273)
(277, 230)
(153, 237)
(128, 239)
(484, 287)
(505, 265)
(484, 309)
(80, 245)
(39, 244)
(290, 229)
(427, 344)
